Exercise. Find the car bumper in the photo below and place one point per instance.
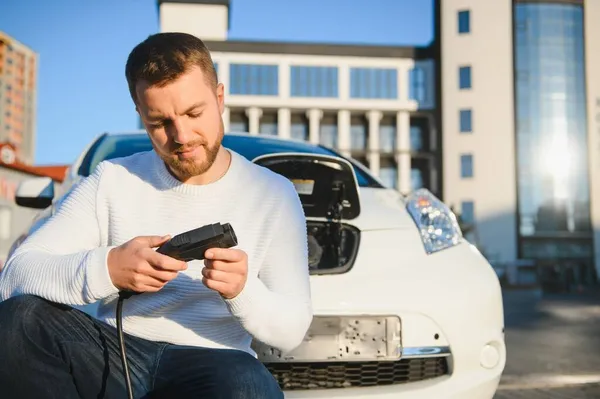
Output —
(451, 299)
(469, 386)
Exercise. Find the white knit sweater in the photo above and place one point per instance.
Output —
(65, 260)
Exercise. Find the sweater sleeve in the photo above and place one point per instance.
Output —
(276, 307)
(63, 261)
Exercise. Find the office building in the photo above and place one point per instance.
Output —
(18, 93)
(374, 103)
(499, 116)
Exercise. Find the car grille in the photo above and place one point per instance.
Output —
(327, 375)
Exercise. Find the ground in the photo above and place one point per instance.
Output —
(553, 345)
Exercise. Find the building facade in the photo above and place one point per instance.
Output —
(520, 106)
(373, 103)
(499, 116)
(18, 96)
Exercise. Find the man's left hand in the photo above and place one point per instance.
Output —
(225, 271)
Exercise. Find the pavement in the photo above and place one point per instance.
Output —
(553, 346)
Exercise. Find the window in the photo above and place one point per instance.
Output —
(373, 83)
(416, 179)
(467, 212)
(387, 135)
(388, 174)
(313, 81)
(238, 122)
(268, 124)
(416, 138)
(258, 80)
(328, 131)
(464, 77)
(466, 116)
(417, 90)
(466, 166)
(359, 133)
(550, 103)
(464, 21)
(299, 129)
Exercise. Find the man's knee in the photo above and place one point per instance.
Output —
(15, 312)
(247, 377)
(18, 316)
(23, 315)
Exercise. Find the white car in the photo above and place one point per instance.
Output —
(404, 306)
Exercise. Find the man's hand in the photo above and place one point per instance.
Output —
(225, 271)
(136, 266)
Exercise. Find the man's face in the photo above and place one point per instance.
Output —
(183, 120)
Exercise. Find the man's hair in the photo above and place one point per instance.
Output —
(163, 57)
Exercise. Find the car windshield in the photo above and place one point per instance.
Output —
(250, 147)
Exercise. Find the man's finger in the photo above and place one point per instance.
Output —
(162, 275)
(153, 241)
(228, 267)
(148, 284)
(216, 275)
(164, 262)
(224, 254)
(218, 286)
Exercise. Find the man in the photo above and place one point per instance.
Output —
(189, 333)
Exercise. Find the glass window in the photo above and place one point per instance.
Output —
(387, 136)
(373, 83)
(268, 124)
(358, 133)
(416, 138)
(464, 77)
(551, 133)
(416, 179)
(328, 131)
(467, 211)
(388, 174)
(466, 165)
(417, 89)
(238, 122)
(313, 81)
(464, 21)
(258, 80)
(299, 129)
(465, 121)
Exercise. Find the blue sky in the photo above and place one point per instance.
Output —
(83, 46)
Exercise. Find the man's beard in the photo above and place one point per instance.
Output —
(186, 168)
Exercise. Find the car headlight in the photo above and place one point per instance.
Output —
(437, 224)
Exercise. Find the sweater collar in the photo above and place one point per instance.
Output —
(169, 182)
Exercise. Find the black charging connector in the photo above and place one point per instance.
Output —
(187, 246)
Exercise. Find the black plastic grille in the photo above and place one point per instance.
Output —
(327, 375)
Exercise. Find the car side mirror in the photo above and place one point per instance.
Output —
(36, 193)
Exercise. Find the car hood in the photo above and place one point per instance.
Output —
(381, 209)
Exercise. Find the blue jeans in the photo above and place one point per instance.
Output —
(54, 351)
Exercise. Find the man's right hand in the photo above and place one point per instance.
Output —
(136, 266)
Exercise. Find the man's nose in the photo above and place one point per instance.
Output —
(180, 133)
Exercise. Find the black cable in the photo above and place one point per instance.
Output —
(122, 296)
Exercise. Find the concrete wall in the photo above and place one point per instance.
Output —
(207, 21)
(488, 50)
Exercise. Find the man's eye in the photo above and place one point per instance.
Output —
(196, 115)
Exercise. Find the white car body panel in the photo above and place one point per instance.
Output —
(449, 300)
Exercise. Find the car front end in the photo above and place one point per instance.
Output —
(408, 309)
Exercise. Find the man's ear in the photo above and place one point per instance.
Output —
(221, 97)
